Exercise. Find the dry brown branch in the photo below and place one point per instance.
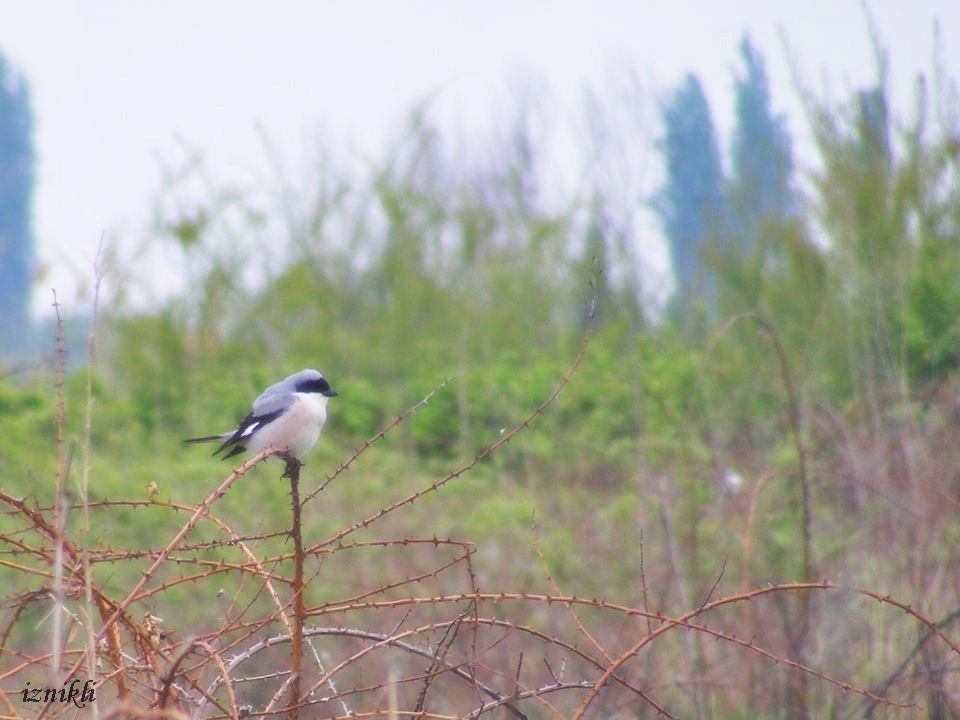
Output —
(285, 640)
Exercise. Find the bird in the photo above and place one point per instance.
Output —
(287, 415)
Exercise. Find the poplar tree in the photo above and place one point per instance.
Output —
(17, 171)
(691, 202)
(761, 162)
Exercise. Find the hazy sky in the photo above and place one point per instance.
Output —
(121, 87)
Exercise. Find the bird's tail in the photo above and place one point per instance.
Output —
(208, 438)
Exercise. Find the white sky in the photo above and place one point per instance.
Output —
(121, 86)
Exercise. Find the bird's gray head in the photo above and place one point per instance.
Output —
(309, 381)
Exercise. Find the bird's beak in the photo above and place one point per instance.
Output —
(330, 393)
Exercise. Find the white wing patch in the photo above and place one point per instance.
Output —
(250, 429)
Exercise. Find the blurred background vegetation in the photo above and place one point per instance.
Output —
(673, 443)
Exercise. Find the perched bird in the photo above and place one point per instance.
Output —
(289, 414)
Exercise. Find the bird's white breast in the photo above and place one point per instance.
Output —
(297, 429)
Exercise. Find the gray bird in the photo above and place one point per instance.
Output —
(289, 414)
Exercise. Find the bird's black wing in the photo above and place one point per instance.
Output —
(250, 424)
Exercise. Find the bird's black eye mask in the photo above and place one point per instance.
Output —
(315, 385)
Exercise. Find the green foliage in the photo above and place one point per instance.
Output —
(28, 413)
(932, 329)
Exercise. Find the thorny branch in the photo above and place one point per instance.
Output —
(216, 671)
